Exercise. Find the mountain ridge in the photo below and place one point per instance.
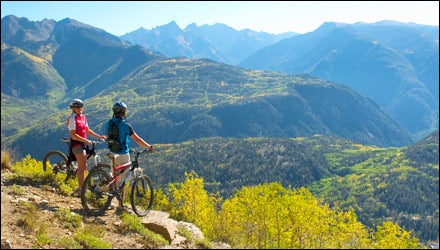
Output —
(393, 63)
(176, 99)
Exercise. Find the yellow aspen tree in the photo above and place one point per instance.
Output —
(392, 236)
(349, 232)
(269, 216)
(193, 204)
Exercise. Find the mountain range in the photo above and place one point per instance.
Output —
(395, 64)
(218, 42)
(235, 125)
(45, 64)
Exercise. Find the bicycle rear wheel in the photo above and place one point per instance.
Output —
(95, 192)
(142, 195)
(57, 161)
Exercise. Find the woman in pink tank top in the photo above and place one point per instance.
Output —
(78, 130)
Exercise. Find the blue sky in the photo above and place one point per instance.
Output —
(119, 18)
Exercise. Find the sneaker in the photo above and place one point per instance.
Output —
(76, 193)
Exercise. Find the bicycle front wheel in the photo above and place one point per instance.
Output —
(142, 195)
(95, 193)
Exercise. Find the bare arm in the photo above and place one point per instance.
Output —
(92, 133)
(140, 141)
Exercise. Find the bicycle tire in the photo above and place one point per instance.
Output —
(142, 195)
(94, 200)
(54, 157)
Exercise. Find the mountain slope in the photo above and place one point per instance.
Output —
(393, 63)
(178, 99)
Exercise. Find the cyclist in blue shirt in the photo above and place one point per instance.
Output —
(126, 132)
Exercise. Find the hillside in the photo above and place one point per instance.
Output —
(24, 203)
(174, 100)
(380, 184)
(395, 64)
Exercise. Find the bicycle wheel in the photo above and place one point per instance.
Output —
(142, 195)
(56, 160)
(95, 192)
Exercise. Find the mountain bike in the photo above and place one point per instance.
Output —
(100, 187)
(65, 163)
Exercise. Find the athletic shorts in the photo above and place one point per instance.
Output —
(78, 149)
(122, 159)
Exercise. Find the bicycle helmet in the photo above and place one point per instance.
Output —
(76, 103)
(119, 108)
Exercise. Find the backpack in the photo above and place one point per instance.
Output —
(113, 137)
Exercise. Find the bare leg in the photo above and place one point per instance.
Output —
(82, 165)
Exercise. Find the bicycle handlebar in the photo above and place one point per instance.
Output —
(138, 152)
(143, 150)
(94, 143)
(97, 142)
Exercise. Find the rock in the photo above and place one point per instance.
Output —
(193, 229)
(160, 223)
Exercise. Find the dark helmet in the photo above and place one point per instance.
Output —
(76, 103)
(119, 108)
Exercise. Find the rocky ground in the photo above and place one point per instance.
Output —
(17, 236)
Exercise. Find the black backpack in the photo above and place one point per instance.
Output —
(113, 137)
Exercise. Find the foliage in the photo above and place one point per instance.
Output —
(390, 236)
(29, 221)
(377, 183)
(161, 200)
(192, 203)
(6, 159)
(90, 237)
(270, 216)
(31, 169)
(18, 190)
(69, 219)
